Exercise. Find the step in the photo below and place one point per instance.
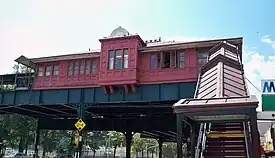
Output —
(228, 125)
(225, 139)
(214, 143)
(226, 147)
(226, 128)
(225, 154)
(224, 134)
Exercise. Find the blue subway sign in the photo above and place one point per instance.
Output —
(268, 87)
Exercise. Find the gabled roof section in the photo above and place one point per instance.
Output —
(32, 61)
(25, 61)
(223, 75)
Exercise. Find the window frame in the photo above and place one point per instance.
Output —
(109, 57)
(198, 58)
(78, 66)
(115, 59)
(70, 71)
(123, 58)
(87, 66)
(40, 72)
(155, 60)
(48, 73)
(179, 59)
(55, 72)
(93, 66)
(82, 66)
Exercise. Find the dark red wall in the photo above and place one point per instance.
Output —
(138, 70)
(164, 75)
(63, 80)
(120, 76)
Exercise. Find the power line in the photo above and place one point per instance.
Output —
(253, 85)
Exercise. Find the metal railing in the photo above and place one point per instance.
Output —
(201, 143)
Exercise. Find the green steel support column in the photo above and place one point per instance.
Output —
(37, 140)
(129, 137)
(160, 141)
(193, 139)
(179, 136)
(81, 110)
(255, 134)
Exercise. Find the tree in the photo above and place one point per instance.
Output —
(169, 150)
(116, 139)
(141, 144)
(95, 140)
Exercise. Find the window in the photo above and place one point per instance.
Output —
(181, 59)
(125, 58)
(202, 58)
(82, 67)
(111, 59)
(118, 60)
(93, 66)
(174, 59)
(40, 70)
(88, 67)
(48, 70)
(159, 59)
(70, 68)
(153, 61)
(55, 70)
(166, 60)
(76, 67)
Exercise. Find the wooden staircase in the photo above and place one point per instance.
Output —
(225, 140)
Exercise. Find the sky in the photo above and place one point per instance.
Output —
(37, 28)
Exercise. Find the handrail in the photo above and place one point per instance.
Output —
(197, 86)
(198, 148)
(247, 139)
(201, 140)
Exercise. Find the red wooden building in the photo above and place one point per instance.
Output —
(124, 60)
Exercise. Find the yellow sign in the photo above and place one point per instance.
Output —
(80, 124)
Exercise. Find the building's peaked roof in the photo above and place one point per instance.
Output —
(223, 75)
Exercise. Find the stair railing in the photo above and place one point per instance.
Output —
(201, 140)
(247, 139)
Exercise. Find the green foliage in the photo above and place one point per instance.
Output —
(116, 138)
(142, 144)
(96, 139)
(169, 150)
